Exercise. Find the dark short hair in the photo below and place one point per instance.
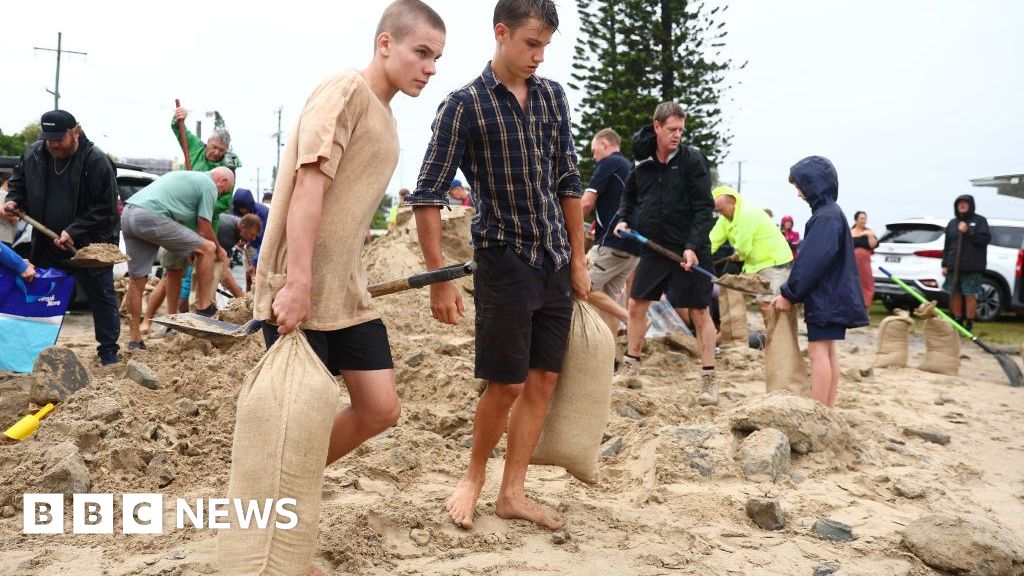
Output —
(251, 222)
(401, 17)
(514, 13)
(858, 213)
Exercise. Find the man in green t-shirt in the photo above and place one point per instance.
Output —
(174, 212)
(213, 154)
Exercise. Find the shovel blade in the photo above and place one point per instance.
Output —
(23, 428)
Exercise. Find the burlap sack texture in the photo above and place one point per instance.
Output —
(941, 342)
(284, 414)
(892, 340)
(732, 310)
(578, 414)
(784, 367)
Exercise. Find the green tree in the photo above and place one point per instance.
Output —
(15, 144)
(633, 54)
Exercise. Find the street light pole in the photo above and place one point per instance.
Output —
(56, 84)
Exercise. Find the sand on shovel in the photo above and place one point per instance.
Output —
(106, 253)
(752, 283)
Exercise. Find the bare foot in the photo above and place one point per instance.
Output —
(314, 571)
(462, 503)
(522, 508)
(146, 325)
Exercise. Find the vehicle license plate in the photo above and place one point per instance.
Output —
(893, 259)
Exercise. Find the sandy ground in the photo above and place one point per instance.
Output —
(665, 504)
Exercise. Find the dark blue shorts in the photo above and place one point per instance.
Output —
(829, 331)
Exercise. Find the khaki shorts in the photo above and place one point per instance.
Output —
(172, 260)
(776, 276)
(610, 269)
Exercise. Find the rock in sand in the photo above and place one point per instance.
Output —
(764, 455)
(970, 545)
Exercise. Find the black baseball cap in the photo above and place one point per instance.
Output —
(55, 124)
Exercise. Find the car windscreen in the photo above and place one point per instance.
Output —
(911, 234)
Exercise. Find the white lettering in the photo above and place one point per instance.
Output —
(282, 511)
(92, 513)
(142, 513)
(218, 509)
(253, 509)
(42, 514)
(195, 517)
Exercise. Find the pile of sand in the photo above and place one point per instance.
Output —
(672, 491)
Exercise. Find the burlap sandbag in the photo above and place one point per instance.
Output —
(282, 429)
(579, 408)
(892, 340)
(784, 367)
(941, 343)
(732, 309)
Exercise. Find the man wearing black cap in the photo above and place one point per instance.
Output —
(69, 185)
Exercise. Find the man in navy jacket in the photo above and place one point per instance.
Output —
(969, 232)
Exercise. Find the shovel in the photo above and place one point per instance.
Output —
(633, 235)
(1010, 367)
(76, 260)
(204, 327)
(27, 425)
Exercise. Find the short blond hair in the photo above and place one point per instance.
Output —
(401, 17)
(610, 136)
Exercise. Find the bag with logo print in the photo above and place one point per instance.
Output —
(31, 314)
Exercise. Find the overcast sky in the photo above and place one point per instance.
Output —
(909, 99)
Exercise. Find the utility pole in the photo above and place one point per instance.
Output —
(277, 135)
(56, 84)
(258, 183)
(739, 177)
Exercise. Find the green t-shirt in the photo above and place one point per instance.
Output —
(181, 196)
(197, 153)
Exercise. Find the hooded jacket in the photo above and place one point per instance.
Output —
(974, 249)
(824, 275)
(669, 203)
(88, 212)
(243, 198)
(751, 232)
(791, 235)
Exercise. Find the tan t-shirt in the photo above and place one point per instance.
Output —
(352, 135)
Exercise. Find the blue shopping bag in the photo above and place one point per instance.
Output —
(31, 314)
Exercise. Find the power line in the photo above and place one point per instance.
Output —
(56, 84)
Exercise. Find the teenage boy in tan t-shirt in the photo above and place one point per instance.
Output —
(336, 168)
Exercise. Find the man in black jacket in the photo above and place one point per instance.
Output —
(69, 185)
(967, 235)
(668, 199)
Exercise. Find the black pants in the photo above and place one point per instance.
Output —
(98, 286)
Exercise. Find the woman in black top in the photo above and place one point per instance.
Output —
(864, 243)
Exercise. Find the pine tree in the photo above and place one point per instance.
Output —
(633, 54)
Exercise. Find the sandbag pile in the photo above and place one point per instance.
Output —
(579, 408)
(941, 342)
(893, 335)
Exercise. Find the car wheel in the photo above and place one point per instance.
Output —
(990, 302)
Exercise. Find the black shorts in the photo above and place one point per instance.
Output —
(657, 275)
(361, 347)
(522, 315)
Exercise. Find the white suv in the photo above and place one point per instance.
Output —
(912, 251)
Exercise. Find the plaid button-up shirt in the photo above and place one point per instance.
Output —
(519, 162)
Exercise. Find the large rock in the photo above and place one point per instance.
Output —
(764, 455)
(65, 471)
(59, 374)
(683, 343)
(142, 374)
(965, 546)
(809, 426)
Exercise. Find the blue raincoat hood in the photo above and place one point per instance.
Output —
(816, 177)
(243, 198)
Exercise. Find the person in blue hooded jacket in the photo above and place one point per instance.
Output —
(245, 203)
(824, 276)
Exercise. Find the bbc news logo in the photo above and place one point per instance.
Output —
(144, 513)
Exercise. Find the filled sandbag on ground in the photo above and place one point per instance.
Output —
(579, 407)
(941, 342)
(732, 309)
(282, 431)
(893, 335)
(784, 367)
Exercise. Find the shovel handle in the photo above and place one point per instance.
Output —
(445, 274)
(634, 235)
(44, 411)
(182, 138)
(39, 226)
(917, 295)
